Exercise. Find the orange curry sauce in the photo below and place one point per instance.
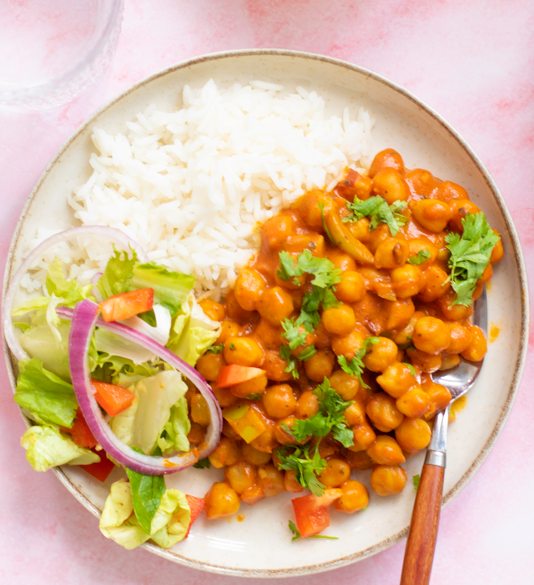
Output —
(407, 305)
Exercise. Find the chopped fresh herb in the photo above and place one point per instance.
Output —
(422, 256)
(416, 479)
(379, 211)
(355, 366)
(219, 348)
(470, 255)
(232, 346)
(405, 345)
(287, 269)
(256, 396)
(411, 368)
(324, 272)
(306, 354)
(327, 231)
(307, 467)
(296, 532)
(295, 332)
(203, 464)
(285, 353)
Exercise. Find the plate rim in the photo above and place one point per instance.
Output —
(518, 256)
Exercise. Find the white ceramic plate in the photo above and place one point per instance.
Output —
(260, 544)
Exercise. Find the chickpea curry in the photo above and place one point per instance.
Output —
(331, 334)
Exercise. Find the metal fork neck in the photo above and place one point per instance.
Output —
(437, 449)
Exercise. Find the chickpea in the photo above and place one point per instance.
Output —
(431, 335)
(391, 254)
(351, 289)
(386, 451)
(235, 311)
(399, 313)
(383, 412)
(328, 447)
(426, 362)
(436, 284)
(354, 185)
(290, 284)
(387, 159)
(249, 286)
(245, 389)
(319, 338)
(224, 396)
(310, 210)
(415, 403)
(422, 244)
(320, 365)
(277, 229)
(360, 460)
(243, 351)
(448, 191)
(255, 457)
(197, 434)
(498, 251)
(240, 476)
(364, 436)
(252, 495)
(486, 275)
(407, 280)
(221, 501)
(281, 435)
(275, 305)
(439, 397)
(449, 361)
(477, 348)
(266, 442)
(271, 336)
(360, 229)
(271, 480)
(228, 431)
(389, 184)
(228, 329)
(421, 182)
(459, 209)
(355, 414)
(336, 472)
(452, 312)
(199, 410)
(339, 320)
(461, 337)
(307, 404)
(341, 260)
(279, 401)
(344, 384)
(387, 480)
(209, 365)
(215, 311)
(377, 236)
(226, 453)
(290, 482)
(397, 379)
(413, 434)
(348, 345)
(381, 355)
(275, 366)
(432, 214)
(296, 244)
(404, 336)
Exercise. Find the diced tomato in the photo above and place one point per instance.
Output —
(128, 304)
(232, 375)
(311, 512)
(113, 399)
(102, 469)
(81, 433)
(196, 505)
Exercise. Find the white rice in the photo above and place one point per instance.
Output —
(192, 185)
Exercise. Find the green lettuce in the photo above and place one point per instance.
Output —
(147, 491)
(46, 447)
(118, 274)
(68, 290)
(45, 394)
(174, 435)
(39, 342)
(168, 526)
(192, 332)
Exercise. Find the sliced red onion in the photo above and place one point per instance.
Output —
(97, 231)
(84, 318)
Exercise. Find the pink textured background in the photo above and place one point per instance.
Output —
(473, 61)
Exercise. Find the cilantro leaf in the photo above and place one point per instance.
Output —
(379, 211)
(288, 270)
(294, 333)
(355, 366)
(285, 353)
(219, 348)
(297, 534)
(306, 467)
(202, 464)
(416, 479)
(256, 396)
(422, 256)
(306, 354)
(470, 256)
(411, 368)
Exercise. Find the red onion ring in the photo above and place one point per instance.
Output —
(84, 318)
(98, 231)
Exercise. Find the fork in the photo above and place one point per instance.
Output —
(421, 544)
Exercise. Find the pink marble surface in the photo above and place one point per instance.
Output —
(473, 61)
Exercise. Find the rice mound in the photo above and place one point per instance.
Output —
(192, 185)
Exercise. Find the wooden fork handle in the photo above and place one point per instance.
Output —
(421, 543)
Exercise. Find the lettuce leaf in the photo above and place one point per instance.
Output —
(46, 447)
(174, 435)
(39, 342)
(168, 526)
(118, 274)
(147, 491)
(68, 290)
(45, 394)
